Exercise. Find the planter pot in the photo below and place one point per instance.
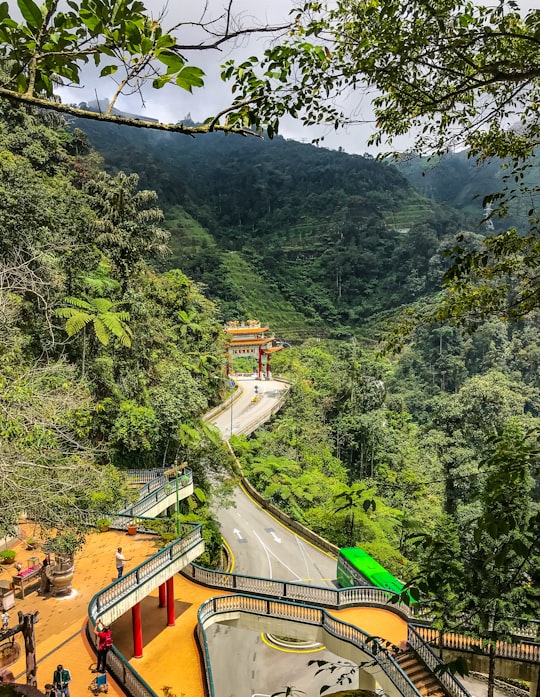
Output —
(132, 529)
(103, 528)
(8, 561)
(60, 574)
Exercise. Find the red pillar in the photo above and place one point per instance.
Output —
(137, 631)
(259, 374)
(162, 595)
(170, 602)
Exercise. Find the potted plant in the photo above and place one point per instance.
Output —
(31, 543)
(132, 526)
(8, 556)
(103, 524)
(60, 571)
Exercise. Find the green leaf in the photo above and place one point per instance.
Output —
(90, 20)
(101, 332)
(108, 70)
(161, 81)
(173, 61)
(77, 322)
(31, 13)
(189, 77)
(4, 11)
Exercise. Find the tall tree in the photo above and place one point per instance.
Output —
(498, 549)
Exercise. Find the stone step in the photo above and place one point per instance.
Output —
(425, 681)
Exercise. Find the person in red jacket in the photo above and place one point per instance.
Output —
(105, 642)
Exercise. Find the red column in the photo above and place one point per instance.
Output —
(259, 376)
(170, 602)
(162, 595)
(137, 631)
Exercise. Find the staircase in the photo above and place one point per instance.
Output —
(424, 680)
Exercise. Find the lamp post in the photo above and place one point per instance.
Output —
(177, 499)
(230, 430)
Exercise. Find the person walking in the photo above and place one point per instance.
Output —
(105, 643)
(61, 680)
(5, 620)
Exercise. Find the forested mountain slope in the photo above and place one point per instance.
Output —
(331, 238)
(458, 180)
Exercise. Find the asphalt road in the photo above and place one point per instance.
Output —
(245, 662)
(261, 546)
(244, 413)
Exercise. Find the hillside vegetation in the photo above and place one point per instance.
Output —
(333, 239)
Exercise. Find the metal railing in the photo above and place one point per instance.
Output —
(119, 590)
(122, 587)
(431, 660)
(158, 491)
(526, 651)
(336, 598)
(303, 614)
(145, 475)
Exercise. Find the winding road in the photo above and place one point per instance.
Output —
(262, 546)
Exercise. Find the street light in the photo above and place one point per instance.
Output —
(177, 499)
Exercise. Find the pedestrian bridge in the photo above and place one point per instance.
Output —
(344, 620)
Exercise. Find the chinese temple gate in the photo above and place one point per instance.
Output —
(250, 339)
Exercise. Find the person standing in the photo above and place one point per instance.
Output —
(45, 583)
(105, 643)
(5, 620)
(61, 680)
(120, 561)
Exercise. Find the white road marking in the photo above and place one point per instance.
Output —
(266, 550)
(303, 553)
(269, 551)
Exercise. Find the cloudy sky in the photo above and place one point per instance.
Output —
(172, 104)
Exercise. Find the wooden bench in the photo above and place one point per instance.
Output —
(28, 577)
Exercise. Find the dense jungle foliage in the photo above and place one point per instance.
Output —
(405, 456)
(105, 363)
(411, 459)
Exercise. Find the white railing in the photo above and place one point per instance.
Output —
(303, 614)
(517, 650)
(157, 490)
(298, 592)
